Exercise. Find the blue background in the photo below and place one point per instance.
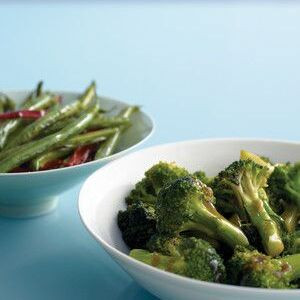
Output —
(202, 69)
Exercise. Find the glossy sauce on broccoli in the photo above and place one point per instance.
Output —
(239, 227)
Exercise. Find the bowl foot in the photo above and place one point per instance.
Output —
(29, 210)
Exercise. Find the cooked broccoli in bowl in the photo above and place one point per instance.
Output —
(239, 227)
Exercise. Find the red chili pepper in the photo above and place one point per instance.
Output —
(19, 170)
(54, 164)
(24, 114)
(80, 155)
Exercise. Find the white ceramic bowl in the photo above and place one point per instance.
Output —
(36, 193)
(102, 196)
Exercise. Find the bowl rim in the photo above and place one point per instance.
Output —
(195, 282)
(109, 158)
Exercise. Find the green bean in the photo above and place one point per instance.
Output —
(99, 122)
(82, 103)
(30, 150)
(6, 103)
(2, 104)
(30, 131)
(108, 147)
(8, 127)
(33, 96)
(89, 94)
(69, 146)
(102, 121)
(90, 137)
(56, 126)
(56, 113)
(39, 162)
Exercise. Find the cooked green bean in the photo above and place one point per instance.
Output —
(56, 126)
(8, 127)
(35, 148)
(99, 122)
(57, 130)
(102, 121)
(108, 147)
(69, 146)
(55, 114)
(33, 96)
(90, 137)
(6, 104)
(40, 162)
(89, 94)
(1, 105)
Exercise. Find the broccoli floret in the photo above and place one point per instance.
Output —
(163, 173)
(155, 178)
(164, 244)
(240, 187)
(137, 224)
(202, 177)
(197, 259)
(143, 191)
(292, 243)
(285, 182)
(284, 191)
(168, 245)
(252, 268)
(187, 204)
(266, 159)
(201, 235)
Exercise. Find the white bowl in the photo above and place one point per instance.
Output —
(35, 193)
(103, 193)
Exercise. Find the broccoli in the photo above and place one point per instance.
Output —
(187, 204)
(292, 243)
(143, 191)
(240, 188)
(249, 230)
(202, 177)
(285, 182)
(258, 159)
(155, 178)
(168, 245)
(284, 189)
(291, 217)
(201, 235)
(137, 224)
(252, 268)
(197, 259)
(164, 244)
(252, 235)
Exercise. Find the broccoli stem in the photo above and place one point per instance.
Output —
(294, 262)
(209, 221)
(260, 218)
(163, 262)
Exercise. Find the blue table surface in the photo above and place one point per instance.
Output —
(202, 69)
